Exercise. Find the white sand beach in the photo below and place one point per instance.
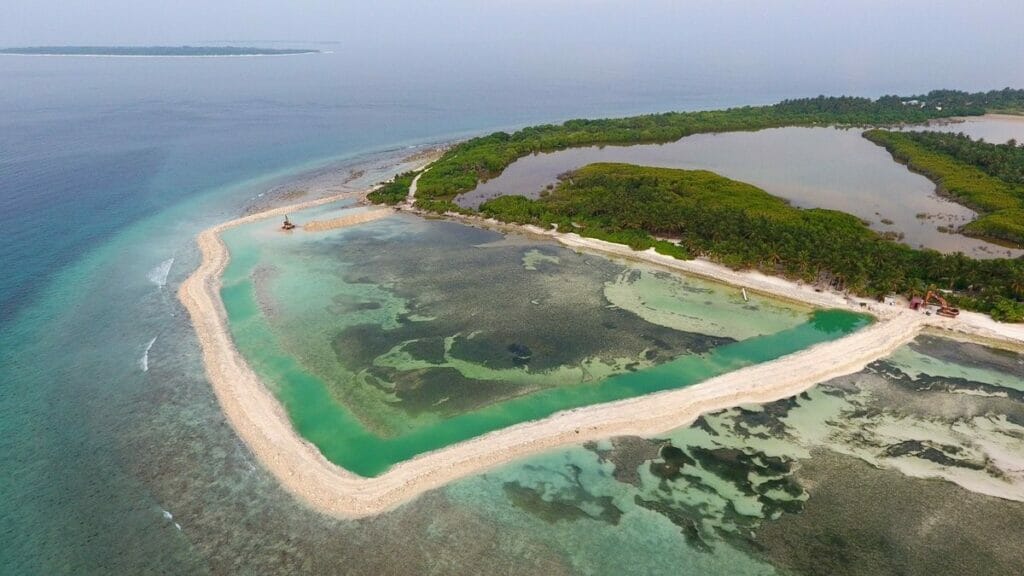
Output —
(263, 424)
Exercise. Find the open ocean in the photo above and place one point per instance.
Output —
(115, 456)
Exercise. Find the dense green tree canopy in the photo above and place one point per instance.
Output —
(988, 178)
(999, 160)
(393, 192)
(701, 213)
(684, 213)
(462, 167)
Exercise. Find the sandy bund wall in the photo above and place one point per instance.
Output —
(262, 423)
(349, 220)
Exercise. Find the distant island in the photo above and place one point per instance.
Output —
(154, 51)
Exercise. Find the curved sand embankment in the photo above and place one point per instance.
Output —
(263, 424)
(348, 220)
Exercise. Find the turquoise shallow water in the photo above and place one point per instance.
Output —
(344, 440)
(808, 484)
(108, 169)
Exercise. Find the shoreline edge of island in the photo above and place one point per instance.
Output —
(263, 424)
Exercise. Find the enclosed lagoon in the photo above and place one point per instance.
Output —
(992, 128)
(811, 167)
(405, 335)
(911, 466)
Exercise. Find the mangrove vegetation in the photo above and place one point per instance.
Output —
(464, 165)
(988, 178)
(687, 213)
(394, 191)
(699, 213)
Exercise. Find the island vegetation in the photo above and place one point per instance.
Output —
(699, 213)
(464, 165)
(153, 51)
(393, 191)
(986, 177)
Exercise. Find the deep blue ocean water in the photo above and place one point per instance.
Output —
(108, 169)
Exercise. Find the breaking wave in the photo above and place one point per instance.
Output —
(144, 361)
(170, 518)
(158, 275)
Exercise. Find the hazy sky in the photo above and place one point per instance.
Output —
(978, 43)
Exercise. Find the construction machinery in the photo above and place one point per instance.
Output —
(933, 299)
(287, 224)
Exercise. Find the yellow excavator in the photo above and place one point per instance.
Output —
(932, 298)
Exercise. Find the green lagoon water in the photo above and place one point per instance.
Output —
(887, 471)
(141, 474)
(117, 458)
(292, 300)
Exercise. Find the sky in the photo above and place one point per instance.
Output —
(978, 44)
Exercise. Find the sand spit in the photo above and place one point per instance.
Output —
(261, 421)
(349, 220)
(1005, 116)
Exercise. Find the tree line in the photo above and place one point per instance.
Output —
(1004, 161)
(464, 165)
(988, 178)
(393, 192)
(688, 213)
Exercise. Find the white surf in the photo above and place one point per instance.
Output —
(158, 275)
(144, 361)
